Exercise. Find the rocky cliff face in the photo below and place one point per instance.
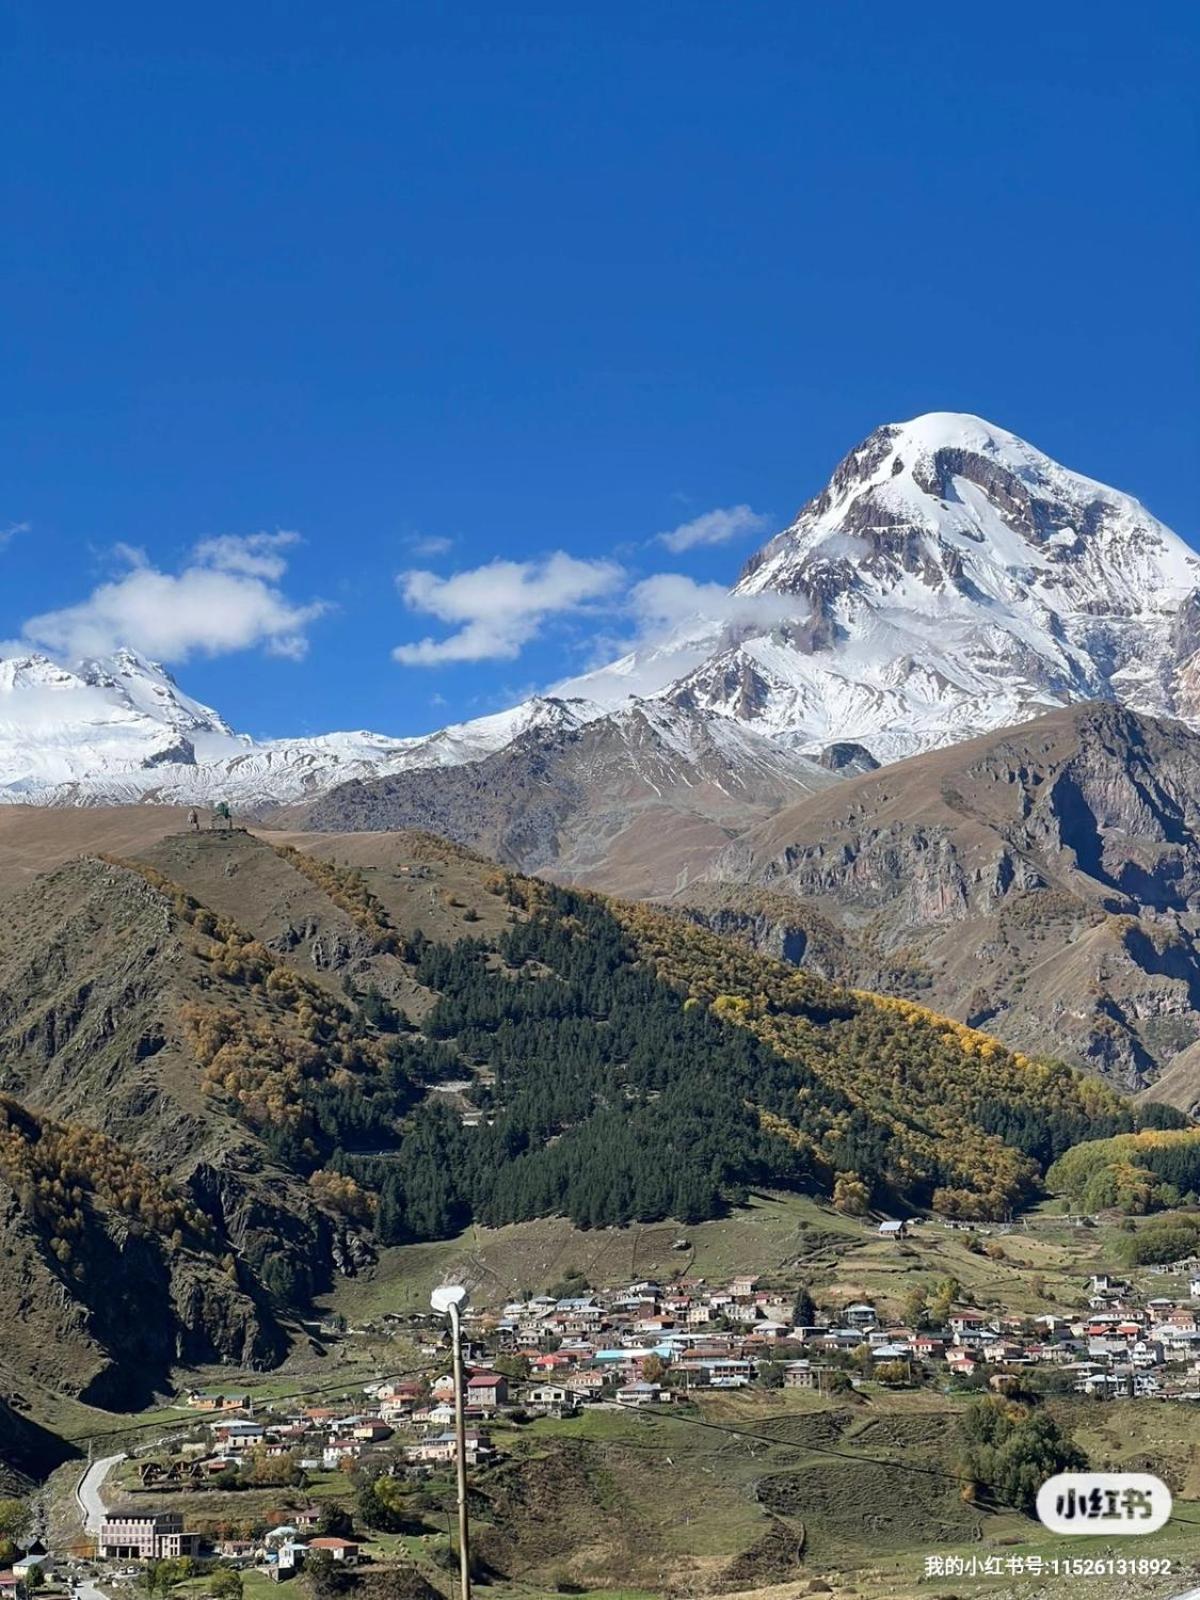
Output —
(99, 1304)
(1044, 883)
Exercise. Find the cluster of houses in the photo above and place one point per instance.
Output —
(647, 1344)
(696, 1336)
(1140, 1346)
(132, 1533)
(315, 1437)
(283, 1552)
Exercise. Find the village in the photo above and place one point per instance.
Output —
(640, 1346)
(666, 1346)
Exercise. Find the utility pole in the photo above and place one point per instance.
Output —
(449, 1300)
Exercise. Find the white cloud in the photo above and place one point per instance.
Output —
(498, 608)
(224, 599)
(668, 601)
(714, 527)
(836, 546)
(11, 530)
(430, 545)
(133, 555)
(257, 555)
(675, 623)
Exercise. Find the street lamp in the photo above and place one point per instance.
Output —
(449, 1299)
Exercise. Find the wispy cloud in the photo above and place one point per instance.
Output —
(429, 545)
(668, 600)
(668, 624)
(11, 530)
(256, 555)
(497, 609)
(225, 598)
(718, 526)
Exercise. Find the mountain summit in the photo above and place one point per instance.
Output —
(948, 580)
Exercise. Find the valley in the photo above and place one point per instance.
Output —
(756, 1473)
(346, 1066)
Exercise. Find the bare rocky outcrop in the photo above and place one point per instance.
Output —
(107, 1323)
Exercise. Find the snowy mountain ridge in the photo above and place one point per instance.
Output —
(120, 730)
(950, 579)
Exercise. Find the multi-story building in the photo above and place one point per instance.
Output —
(130, 1534)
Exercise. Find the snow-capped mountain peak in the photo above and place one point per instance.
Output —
(945, 486)
(147, 687)
(119, 729)
(121, 714)
(950, 578)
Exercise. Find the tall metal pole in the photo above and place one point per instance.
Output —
(460, 1451)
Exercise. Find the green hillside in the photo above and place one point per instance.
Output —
(634, 1066)
(1152, 1171)
(307, 1054)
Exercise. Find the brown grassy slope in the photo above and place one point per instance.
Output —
(35, 839)
(1180, 1083)
(27, 1451)
(99, 972)
(93, 969)
(240, 878)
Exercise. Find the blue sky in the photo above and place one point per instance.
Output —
(430, 286)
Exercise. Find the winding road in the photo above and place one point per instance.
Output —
(88, 1493)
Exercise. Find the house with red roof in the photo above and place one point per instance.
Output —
(486, 1391)
(343, 1550)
